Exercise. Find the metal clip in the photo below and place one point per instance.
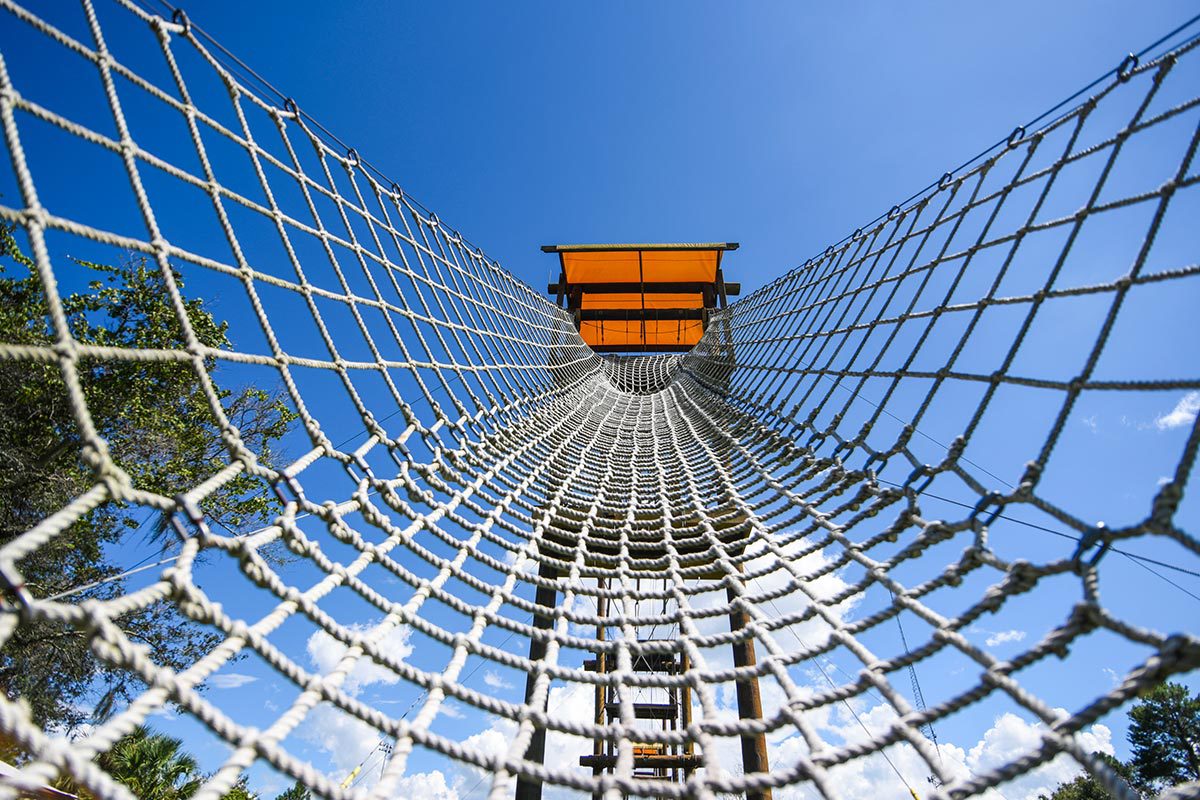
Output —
(985, 501)
(1090, 539)
(1126, 68)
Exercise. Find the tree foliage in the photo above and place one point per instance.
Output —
(159, 428)
(296, 791)
(152, 765)
(1164, 736)
(1086, 787)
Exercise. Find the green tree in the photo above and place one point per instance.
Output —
(152, 765)
(240, 791)
(1164, 736)
(159, 428)
(1086, 787)
(297, 791)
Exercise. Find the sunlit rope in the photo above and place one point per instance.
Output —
(499, 453)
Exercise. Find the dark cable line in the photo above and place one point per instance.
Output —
(1062, 534)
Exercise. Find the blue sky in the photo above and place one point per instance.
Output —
(780, 126)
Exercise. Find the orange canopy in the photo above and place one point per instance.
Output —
(641, 297)
(635, 266)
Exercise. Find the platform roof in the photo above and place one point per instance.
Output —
(641, 297)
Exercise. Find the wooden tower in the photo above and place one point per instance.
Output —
(645, 298)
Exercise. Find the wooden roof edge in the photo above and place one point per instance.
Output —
(628, 248)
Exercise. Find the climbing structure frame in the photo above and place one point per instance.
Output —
(866, 460)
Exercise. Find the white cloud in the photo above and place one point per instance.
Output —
(495, 681)
(231, 680)
(1004, 637)
(428, 786)
(1184, 413)
(571, 703)
(345, 739)
(1009, 738)
(325, 652)
(452, 710)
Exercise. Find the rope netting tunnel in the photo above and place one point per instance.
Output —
(867, 461)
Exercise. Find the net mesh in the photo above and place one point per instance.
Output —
(864, 462)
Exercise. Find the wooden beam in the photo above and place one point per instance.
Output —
(639, 314)
(651, 287)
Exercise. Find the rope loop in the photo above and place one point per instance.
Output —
(352, 157)
(945, 180)
(893, 212)
(1016, 136)
(289, 105)
(397, 191)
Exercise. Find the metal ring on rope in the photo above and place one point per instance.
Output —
(1126, 68)
(882, 459)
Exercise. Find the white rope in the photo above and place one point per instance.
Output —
(788, 448)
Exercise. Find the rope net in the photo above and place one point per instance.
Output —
(864, 463)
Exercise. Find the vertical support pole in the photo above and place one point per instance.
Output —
(689, 748)
(598, 746)
(529, 787)
(561, 294)
(754, 746)
(642, 289)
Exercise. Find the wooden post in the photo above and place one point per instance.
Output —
(529, 787)
(749, 700)
(598, 746)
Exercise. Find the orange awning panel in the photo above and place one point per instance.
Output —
(640, 297)
(666, 266)
(628, 333)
